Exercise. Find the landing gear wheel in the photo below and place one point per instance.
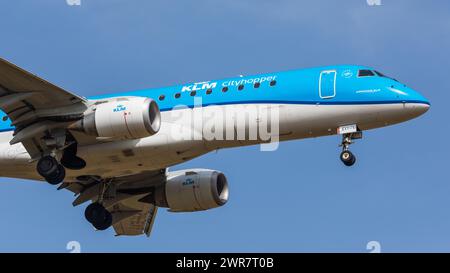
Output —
(348, 158)
(92, 211)
(104, 223)
(56, 177)
(98, 216)
(47, 166)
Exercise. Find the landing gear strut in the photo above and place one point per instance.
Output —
(96, 213)
(49, 168)
(347, 157)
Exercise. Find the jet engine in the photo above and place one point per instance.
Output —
(192, 190)
(125, 117)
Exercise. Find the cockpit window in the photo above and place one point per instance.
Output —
(365, 73)
(380, 74)
(384, 76)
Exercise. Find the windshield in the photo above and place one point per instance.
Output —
(384, 76)
(365, 73)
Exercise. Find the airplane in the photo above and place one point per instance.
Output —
(114, 150)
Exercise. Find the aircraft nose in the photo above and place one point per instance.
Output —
(416, 104)
(417, 108)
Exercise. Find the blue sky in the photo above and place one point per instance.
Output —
(297, 199)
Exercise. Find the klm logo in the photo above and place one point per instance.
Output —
(119, 108)
(199, 86)
(188, 181)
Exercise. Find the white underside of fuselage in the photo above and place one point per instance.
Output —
(166, 148)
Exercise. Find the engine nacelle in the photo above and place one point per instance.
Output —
(193, 190)
(125, 117)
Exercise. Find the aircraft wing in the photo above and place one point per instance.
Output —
(130, 204)
(34, 105)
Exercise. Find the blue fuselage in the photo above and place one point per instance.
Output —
(333, 85)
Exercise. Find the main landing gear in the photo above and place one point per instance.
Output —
(53, 171)
(98, 216)
(96, 213)
(347, 157)
(49, 168)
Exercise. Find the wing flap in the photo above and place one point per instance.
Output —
(131, 222)
(150, 220)
(132, 215)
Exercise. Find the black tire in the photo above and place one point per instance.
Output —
(92, 211)
(47, 166)
(56, 177)
(105, 223)
(348, 158)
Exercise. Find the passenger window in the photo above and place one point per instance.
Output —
(241, 87)
(209, 91)
(225, 89)
(162, 97)
(256, 85)
(177, 95)
(193, 93)
(365, 73)
(273, 83)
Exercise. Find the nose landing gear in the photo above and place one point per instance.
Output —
(347, 157)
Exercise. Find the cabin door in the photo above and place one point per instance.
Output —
(327, 84)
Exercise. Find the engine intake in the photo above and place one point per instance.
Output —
(126, 117)
(193, 190)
